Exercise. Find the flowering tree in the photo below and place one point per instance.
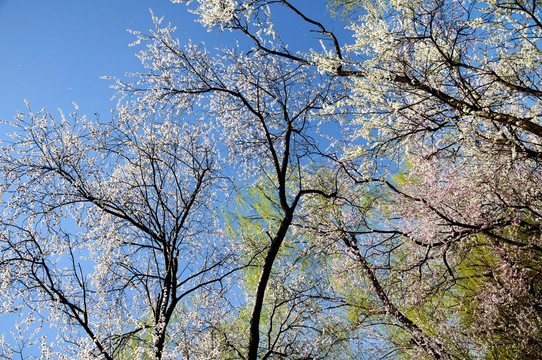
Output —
(106, 231)
(383, 198)
(463, 100)
(262, 107)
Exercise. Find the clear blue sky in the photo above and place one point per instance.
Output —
(53, 52)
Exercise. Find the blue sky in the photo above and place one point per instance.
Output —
(54, 52)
